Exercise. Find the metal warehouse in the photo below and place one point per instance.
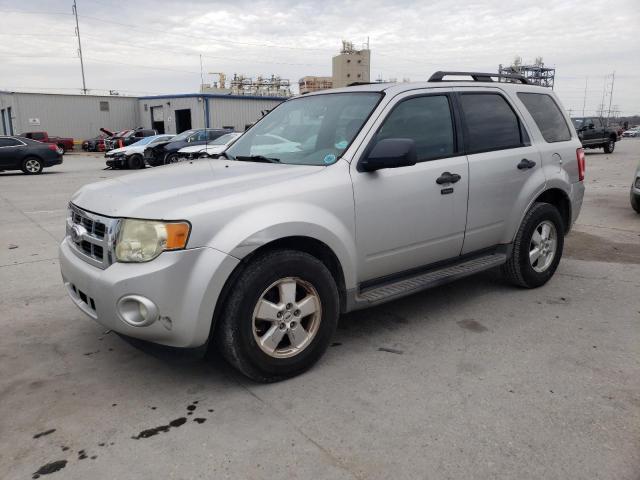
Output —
(177, 113)
(77, 116)
(82, 116)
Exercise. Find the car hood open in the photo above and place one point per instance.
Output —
(169, 192)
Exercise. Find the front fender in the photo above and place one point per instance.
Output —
(265, 223)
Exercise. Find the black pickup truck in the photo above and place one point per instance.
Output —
(594, 133)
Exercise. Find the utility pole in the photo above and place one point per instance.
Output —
(584, 100)
(75, 13)
(613, 79)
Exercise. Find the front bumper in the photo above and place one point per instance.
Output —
(116, 162)
(185, 286)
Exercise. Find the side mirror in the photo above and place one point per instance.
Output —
(390, 153)
(591, 126)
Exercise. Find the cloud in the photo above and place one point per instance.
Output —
(154, 46)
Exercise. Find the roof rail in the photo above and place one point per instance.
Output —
(477, 76)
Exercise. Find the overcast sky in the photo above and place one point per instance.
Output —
(153, 47)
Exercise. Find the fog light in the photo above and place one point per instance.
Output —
(137, 311)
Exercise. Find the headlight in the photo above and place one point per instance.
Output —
(144, 240)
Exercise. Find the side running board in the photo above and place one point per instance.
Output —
(422, 281)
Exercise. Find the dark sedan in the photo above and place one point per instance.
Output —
(167, 152)
(30, 156)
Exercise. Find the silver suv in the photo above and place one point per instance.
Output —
(334, 201)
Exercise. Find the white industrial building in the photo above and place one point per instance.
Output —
(82, 116)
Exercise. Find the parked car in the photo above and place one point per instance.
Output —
(406, 186)
(95, 144)
(128, 137)
(30, 156)
(594, 133)
(64, 143)
(164, 153)
(632, 132)
(635, 191)
(132, 155)
(209, 149)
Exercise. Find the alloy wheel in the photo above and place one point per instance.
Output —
(543, 246)
(32, 166)
(287, 317)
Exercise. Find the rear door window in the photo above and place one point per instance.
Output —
(491, 123)
(427, 121)
(9, 142)
(547, 115)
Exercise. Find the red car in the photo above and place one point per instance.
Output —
(64, 143)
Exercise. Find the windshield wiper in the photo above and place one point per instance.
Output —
(257, 158)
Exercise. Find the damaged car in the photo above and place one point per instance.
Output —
(131, 156)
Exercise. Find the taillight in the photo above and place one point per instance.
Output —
(52, 147)
(581, 163)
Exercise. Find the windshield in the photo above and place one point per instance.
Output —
(577, 122)
(311, 130)
(144, 141)
(224, 139)
(183, 136)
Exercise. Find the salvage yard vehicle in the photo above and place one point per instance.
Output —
(397, 188)
(632, 132)
(635, 191)
(165, 153)
(128, 137)
(132, 155)
(210, 149)
(64, 143)
(30, 156)
(594, 133)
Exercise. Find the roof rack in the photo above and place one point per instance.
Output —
(477, 76)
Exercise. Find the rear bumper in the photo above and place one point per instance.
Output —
(53, 161)
(576, 195)
(184, 285)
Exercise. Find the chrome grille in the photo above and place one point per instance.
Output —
(92, 236)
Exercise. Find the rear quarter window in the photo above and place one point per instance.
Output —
(547, 115)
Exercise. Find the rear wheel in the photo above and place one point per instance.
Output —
(279, 317)
(610, 146)
(537, 248)
(32, 166)
(61, 147)
(135, 162)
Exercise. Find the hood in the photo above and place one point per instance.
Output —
(170, 192)
(116, 151)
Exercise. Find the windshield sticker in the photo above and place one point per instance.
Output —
(329, 158)
(342, 145)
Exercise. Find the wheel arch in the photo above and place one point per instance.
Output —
(559, 199)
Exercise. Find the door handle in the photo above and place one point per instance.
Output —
(525, 164)
(448, 177)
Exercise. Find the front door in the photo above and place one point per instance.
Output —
(9, 152)
(404, 219)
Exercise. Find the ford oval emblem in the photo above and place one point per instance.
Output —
(77, 233)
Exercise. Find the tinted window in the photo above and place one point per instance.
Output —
(490, 121)
(37, 136)
(8, 142)
(426, 120)
(547, 115)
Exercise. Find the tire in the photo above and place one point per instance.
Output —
(519, 269)
(62, 147)
(171, 158)
(610, 146)
(32, 166)
(135, 162)
(239, 329)
(635, 201)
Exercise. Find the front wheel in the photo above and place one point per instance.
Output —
(280, 316)
(135, 162)
(172, 158)
(610, 146)
(537, 248)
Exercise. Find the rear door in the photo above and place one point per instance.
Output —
(404, 218)
(504, 167)
(555, 142)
